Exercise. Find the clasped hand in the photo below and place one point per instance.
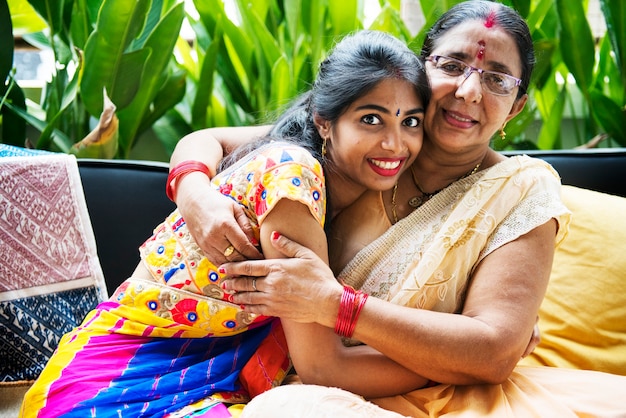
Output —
(300, 287)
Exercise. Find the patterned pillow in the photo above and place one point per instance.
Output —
(50, 276)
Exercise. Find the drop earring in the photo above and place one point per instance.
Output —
(324, 146)
(502, 133)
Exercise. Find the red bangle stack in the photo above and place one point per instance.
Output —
(180, 170)
(352, 302)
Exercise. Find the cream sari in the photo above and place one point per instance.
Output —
(425, 261)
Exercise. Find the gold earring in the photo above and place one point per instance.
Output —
(502, 133)
(324, 146)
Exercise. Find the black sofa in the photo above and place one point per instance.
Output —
(126, 199)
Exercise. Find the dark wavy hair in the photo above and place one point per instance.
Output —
(503, 16)
(355, 66)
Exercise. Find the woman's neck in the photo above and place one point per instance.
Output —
(341, 193)
(436, 169)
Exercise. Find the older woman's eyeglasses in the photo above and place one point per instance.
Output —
(500, 84)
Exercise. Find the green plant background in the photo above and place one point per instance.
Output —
(245, 64)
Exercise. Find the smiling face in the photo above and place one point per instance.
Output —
(375, 139)
(462, 115)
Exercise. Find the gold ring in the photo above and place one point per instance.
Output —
(254, 285)
(229, 250)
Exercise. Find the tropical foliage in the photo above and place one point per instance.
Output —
(115, 49)
(249, 58)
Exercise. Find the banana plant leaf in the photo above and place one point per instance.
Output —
(13, 126)
(6, 37)
(61, 141)
(24, 17)
(615, 16)
(102, 141)
(576, 43)
(133, 78)
(610, 116)
(154, 77)
(69, 95)
(107, 64)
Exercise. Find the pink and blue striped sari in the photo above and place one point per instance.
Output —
(100, 371)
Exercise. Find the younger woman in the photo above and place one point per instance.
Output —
(169, 342)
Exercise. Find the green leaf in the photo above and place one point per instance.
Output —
(608, 75)
(551, 103)
(343, 16)
(205, 85)
(267, 50)
(58, 138)
(6, 39)
(13, 126)
(544, 51)
(293, 11)
(104, 59)
(25, 19)
(168, 96)
(576, 43)
(316, 25)
(609, 116)
(80, 24)
(235, 61)
(51, 12)
(69, 95)
(282, 89)
(522, 6)
(390, 21)
(161, 40)
(615, 17)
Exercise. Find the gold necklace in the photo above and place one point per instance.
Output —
(417, 201)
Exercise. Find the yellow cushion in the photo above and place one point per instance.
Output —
(583, 316)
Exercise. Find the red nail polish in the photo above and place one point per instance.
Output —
(254, 241)
(221, 270)
(275, 235)
(243, 307)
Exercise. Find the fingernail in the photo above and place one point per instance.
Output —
(221, 270)
(254, 241)
(275, 235)
(223, 285)
(243, 307)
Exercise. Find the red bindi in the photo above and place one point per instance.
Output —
(481, 50)
(491, 19)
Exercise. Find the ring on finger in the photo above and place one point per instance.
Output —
(229, 250)
(254, 285)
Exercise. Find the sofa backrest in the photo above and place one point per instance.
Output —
(125, 200)
(603, 170)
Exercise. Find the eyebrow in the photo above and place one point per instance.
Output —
(386, 111)
(495, 65)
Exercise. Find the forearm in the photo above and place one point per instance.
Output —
(210, 145)
(444, 347)
(320, 358)
(199, 146)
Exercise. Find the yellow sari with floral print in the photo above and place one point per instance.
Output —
(174, 345)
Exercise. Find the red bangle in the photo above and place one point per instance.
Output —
(350, 307)
(180, 170)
